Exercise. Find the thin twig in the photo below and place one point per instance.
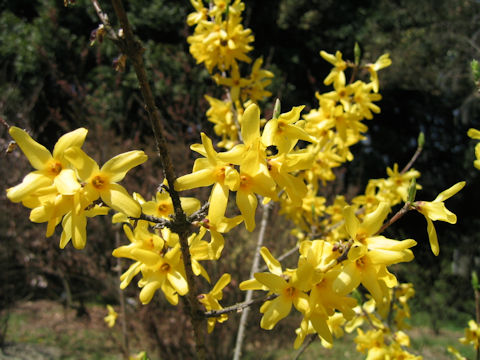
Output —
(406, 208)
(104, 19)
(248, 297)
(239, 307)
(305, 345)
(412, 160)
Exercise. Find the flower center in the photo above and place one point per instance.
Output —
(99, 182)
(164, 209)
(165, 267)
(245, 182)
(290, 292)
(360, 262)
(54, 168)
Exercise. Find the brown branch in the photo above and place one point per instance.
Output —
(238, 307)
(104, 19)
(305, 345)
(134, 50)
(415, 155)
(406, 208)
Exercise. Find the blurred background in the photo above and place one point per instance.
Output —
(52, 81)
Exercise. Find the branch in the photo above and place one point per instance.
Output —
(406, 208)
(305, 345)
(134, 50)
(420, 141)
(104, 19)
(238, 307)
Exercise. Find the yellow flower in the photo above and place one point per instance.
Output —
(50, 168)
(210, 301)
(337, 75)
(370, 254)
(220, 113)
(259, 79)
(111, 317)
(371, 342)
(436, 210)
(472, 335)
(475, 134)
(456, 353)
(211, 170)
(74, 224)
(103, 182)
(382, 62)
(284, 131)
(235, 82)
(221, 43)
(199, 15)
(162, 206)
(363, 99)
(290, 292)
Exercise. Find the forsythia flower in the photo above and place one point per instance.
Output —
(50, 168)
(210, 301)
(436, 210)
(160, 270)
(382, 62)
(472, 335)
(370, 254)
(111, 317)
(337, 75)
(60, 187)
(290, 292)
(475, 134)
(102, 182)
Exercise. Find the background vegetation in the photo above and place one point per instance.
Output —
(53, 81)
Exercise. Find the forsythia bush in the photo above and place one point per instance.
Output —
(286, 160)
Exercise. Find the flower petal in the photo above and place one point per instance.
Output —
(118, 166)
(432, 237)
(250, 126)
(374, 220)
(247, 204)
(351, 221)
(444, 195)
(118, 199)
(273, 264)
(275, 311)
(218, 203)
(73, 138)
(178, 282)
(32, 182)
(196, 179)
(83, 163)
(66, 182)
(221, 283)
(37, 154)
(273, 282)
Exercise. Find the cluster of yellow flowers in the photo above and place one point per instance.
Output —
(221, 43)
(68, 184)
(285, 159)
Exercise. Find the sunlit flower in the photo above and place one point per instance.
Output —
(436, 210)
(102, 182)
(51, 168)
